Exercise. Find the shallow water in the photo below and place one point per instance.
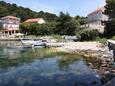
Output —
(43, 67)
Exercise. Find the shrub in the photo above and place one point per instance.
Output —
(113, 37)
(102, 40)
(88, 35)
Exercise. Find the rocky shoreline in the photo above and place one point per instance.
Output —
(104, 66)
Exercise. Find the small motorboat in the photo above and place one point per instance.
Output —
(38, 42)
(27, 42)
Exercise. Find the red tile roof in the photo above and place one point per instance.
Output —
(11, 17)
(34, 20)
(97, 10)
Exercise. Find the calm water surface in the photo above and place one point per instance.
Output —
(43, 67)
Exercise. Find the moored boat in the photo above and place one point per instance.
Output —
(27, 42)
(38, 42)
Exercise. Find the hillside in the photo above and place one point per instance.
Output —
(23, 13)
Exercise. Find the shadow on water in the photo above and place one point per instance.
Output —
(42, 67)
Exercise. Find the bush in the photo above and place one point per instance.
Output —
(113, 38)
(88, 35)
(102, 40)
(38, 29)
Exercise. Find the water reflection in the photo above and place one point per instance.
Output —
(42, 67)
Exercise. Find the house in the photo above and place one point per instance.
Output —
(95, 19)
(35, 20)
(10, 25)
(98, 15)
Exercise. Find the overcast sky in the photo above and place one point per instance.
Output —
(73, 7)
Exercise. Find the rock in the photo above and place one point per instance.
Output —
(107, 78)
(113, 71)
(104, 65)
(106, 72)
(89, 64)
(94, 82)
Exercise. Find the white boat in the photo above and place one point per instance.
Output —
(39, 42)
(27, 42)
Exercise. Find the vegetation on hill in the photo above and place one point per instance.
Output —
(66, 25)
(110, 11)
(81, 20)
(38, 29)
(63, 24)
(23, 13)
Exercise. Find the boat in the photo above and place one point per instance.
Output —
(27, 42)
(111, 44)
(38, 42)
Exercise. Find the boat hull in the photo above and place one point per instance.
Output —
(33, 43)
(39, 44)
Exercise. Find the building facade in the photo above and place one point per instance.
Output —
(95, 19)
(36, 20)
(10, 25)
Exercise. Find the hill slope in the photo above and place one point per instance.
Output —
(23, 13)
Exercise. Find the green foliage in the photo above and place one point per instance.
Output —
(88, 35)
(62, 25)
(102, 40)
(24, 28)
(38, 29)
(110, 11)
(110, 8)
(23, 13)
(66, 25)
(81, 20)
(113, 38)
(42, 30)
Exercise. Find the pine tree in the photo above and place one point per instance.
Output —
(110, 24)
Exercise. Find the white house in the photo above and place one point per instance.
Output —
(95, 19)
(10, 25)
(35, 20)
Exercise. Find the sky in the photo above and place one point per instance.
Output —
(73, 7)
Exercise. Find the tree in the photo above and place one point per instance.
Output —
(23, 13)
(24, 28)
(87, 35)
(38, 29)
(110, 24)
(81, 20)
(66, 25)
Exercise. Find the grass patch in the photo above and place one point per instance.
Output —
(102, 40)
